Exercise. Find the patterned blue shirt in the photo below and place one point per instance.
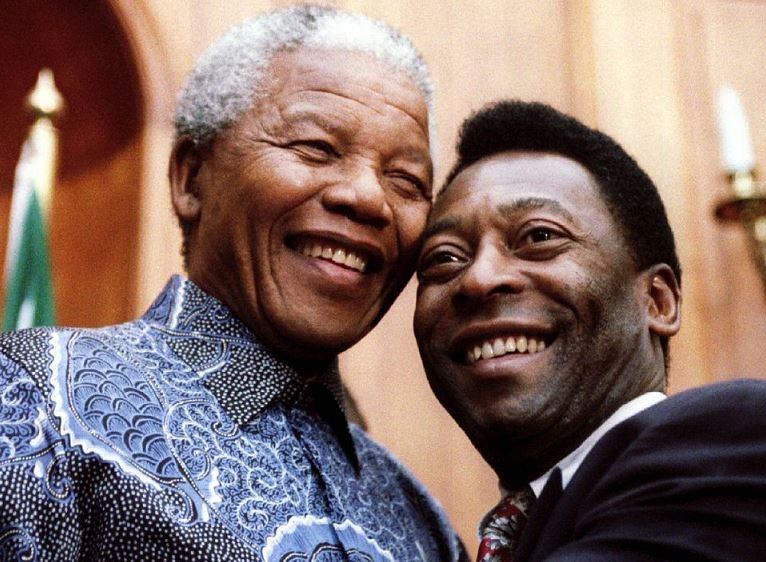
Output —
(179, 437)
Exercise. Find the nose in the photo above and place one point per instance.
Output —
(359, 195)
(493, 271)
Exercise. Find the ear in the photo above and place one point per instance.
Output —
(184, 165)
(663, 300)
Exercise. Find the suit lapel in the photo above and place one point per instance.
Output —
(539, 516)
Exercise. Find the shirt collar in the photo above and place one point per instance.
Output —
(569, 464)
(244, 375)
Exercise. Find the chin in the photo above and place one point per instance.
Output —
(321, 332)
(320, 345)
(343, 331)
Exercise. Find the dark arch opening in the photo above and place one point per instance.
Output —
(96, 200)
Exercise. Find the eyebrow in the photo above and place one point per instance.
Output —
(525, 204)
(531, 203)
(447, 223)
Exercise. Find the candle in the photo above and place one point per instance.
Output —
(736, 146)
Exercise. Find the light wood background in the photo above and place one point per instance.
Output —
(645, 71)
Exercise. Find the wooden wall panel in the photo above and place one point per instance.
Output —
(154, 47)
(723, 43)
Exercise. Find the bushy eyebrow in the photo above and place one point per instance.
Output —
(441, 225)
(531, 203)
(525, 204)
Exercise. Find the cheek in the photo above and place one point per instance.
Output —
(608, 310)
(581, 285)
(429, 310)
(411, 220)
(420, 323)
(271, 186)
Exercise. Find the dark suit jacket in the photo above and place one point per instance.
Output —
(682, 480)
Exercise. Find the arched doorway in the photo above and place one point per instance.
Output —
(96, 202)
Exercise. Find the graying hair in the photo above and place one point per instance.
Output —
(230, 77)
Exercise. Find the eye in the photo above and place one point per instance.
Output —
(440, 264)
(314, 150)
(540, 242)
(409, 185)
(539, 234)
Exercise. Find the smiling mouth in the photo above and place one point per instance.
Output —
(498, 347)
(335, 253)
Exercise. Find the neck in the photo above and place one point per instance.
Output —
(528, 458)
(525, 460)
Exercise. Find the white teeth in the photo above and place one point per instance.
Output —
(499, 347)
(339, 256)
(336, 255)
(521, 344)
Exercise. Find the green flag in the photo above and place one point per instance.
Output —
(28, 289)
(29, 294)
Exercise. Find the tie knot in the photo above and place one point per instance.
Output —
(501, 528)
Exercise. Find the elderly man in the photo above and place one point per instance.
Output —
(548, 289)
(212, 427)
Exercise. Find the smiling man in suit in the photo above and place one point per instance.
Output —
(549, 287)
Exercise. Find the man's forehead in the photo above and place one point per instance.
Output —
(324, 64)
(524, 174)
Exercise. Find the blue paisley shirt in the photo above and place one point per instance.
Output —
(179, 437)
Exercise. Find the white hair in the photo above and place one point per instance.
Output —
(230, 77)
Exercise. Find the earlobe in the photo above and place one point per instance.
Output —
(664, 300)
(184, 165)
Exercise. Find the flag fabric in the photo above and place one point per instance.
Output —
(28, 288)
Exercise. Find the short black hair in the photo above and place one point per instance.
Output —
(629, 193)
(627, 190)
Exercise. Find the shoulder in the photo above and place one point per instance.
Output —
(37, 350)
(44, 373)
(719, 408)
(710, 420)
(710, 439)
(747, 391)
(688, 467)
(22, 343)
(28, 354)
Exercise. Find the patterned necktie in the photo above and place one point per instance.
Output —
(501, 528)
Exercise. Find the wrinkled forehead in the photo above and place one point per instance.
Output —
(329, 69)
(354, 74)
